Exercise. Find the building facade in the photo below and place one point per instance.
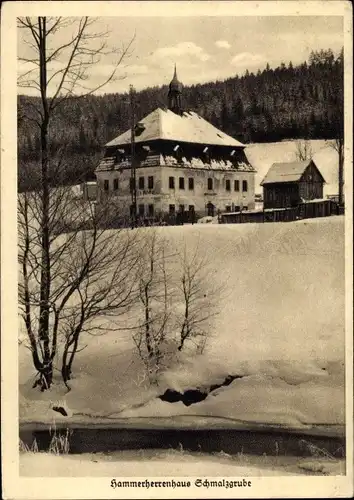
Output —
(288, 184)
(183, 164)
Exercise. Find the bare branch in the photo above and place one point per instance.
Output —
(73, 270)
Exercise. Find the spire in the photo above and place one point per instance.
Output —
(174, 94)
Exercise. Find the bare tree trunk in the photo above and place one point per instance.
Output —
(199, 299)
(47, 373)
(56, 272)
(147, 322)
(153, 296)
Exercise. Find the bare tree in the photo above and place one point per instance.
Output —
(303, 150)
(154, 294)
(63, 68)
(92, 277)
(338, 146)
(60, 272)
(178, 302)
(338, 119)
(200, 299)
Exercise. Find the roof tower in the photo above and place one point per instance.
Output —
(175, 94)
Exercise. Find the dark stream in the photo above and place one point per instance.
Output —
(232, 441)
(271, 442)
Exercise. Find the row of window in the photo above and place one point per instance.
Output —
(181, 184)
(236, 208)
(149, 209)
(150, 182)
(210, 182)
(181, 209)
(141, 183)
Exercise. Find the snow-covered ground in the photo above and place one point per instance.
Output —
(263, 155)
(172, 464)
(281, 328)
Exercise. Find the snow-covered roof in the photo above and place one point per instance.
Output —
(285, 172)
(188, 127)
(110, 163)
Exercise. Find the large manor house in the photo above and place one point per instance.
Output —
(183, 165)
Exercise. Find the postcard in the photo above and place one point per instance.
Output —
(176, 249)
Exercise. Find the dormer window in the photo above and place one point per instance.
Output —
(120, 155)
(178, 152)
(206, 154)
(139, 128)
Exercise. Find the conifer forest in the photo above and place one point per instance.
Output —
(287, 102)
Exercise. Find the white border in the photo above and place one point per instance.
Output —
(17, 487)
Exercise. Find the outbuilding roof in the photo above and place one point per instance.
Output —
(286, 172)
(187, 127)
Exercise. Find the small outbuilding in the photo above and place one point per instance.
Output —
(288, 184)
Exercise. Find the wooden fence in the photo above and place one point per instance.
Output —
(306, 210)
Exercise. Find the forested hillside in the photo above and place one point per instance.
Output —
(287, 102)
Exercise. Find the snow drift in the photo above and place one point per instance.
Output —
(280, 328)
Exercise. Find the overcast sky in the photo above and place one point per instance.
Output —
(206, 48)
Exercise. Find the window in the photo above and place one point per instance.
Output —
(106, 185)
(181, 182)
(236, 185)
(171, 182)
(244, 186)
(191, 208)
(120, 155)
(206, 154)
(237, 208)
(141, 183)
(151, 210)
(115, 184)
(151, 182)
(191, 183)
(210, 184)
(228, 185)
(181, 208)
(228, 208)
(139, 129)
(210, 209)
(178, 153)
(131, 184)
(171, 208)
(141, 210)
